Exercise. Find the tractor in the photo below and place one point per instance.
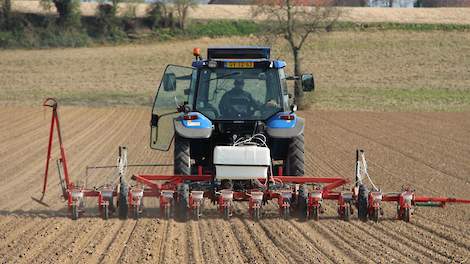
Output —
(236, 97)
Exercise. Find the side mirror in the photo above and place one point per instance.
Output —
(169, 82)
(293, 108)
(308, 83)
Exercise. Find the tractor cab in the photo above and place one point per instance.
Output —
(235, 92)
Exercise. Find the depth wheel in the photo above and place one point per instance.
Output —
(135, 212)
(406, 215)
(375, 215)
(295, 156)
(123, 206)
(182, 205)
(74, 211)
(256, 213)
(105, 212)
(363, 203)
(227, 212)
(286, 213)
(182, 156)
(347, 213)
(302, 203)
(167, 212)
(197, 212)
(315, 213)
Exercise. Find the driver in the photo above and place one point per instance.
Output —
(237, 102)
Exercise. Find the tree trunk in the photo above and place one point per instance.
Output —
(5, 15)
(65, 11)
(298, 91)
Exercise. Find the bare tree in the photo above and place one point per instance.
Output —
(5, 14)
(296, 21)
(182, 8)
(68, 11)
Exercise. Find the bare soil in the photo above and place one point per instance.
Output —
(429, 151)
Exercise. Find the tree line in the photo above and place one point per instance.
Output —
(164, 13)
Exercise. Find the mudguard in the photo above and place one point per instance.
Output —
(280, 128)
(201, 127)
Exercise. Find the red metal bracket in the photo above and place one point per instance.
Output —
(51, 102)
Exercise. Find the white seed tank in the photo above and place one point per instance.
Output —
(241, 162)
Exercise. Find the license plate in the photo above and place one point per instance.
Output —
(240, 64)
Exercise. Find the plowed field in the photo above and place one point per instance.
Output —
(430, 151)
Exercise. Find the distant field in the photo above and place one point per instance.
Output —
(397, 15)
(383, 70)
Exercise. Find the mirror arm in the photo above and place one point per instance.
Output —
(292, 78)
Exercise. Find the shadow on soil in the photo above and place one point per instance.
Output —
(154, 213)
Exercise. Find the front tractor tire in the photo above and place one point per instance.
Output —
(295, 156)
(182, 157)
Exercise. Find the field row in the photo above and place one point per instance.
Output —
(427, 150)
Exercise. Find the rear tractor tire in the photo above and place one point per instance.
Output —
(295, 156)
(182, 156)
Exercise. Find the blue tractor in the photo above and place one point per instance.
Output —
(235, 96)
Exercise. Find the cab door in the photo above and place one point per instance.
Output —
(176, 91)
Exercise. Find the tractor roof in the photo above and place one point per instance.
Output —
(243, 52)
(258, 55)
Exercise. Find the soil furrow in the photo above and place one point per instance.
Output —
(164, 242)
(302, 248)
(87, 245)
(322, 244)
(266, 245)
(194, 243)
(117, 244)
(248, 248)
(20, 244)
(394, 148)
(46, 239)
(390, 249)
(339, 242)
(124, 250)
(227, 241)
(411, 241)
(81, 231)
(101, 243)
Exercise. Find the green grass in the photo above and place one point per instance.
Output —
(443, 100)
(389, 70)
(82, 98)
(42, 31)
(220, 28)
(399, 26)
